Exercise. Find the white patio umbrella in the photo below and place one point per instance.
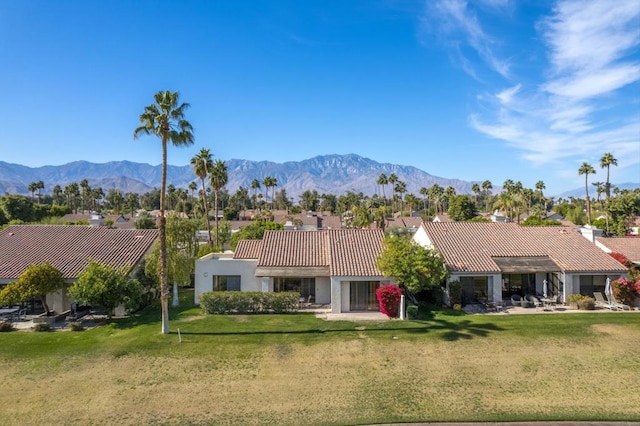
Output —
(608, 290)
(544, 289)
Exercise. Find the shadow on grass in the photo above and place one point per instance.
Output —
(446, 330)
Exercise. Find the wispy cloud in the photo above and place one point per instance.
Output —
(580, 106)
(457, 23)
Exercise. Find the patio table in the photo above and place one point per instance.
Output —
(548, 303)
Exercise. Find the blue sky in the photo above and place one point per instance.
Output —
(487, 89)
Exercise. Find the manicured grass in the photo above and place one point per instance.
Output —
(297, 369)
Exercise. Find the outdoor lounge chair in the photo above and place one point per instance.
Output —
(516, 300)
(527, 302)
(615, 302)
(600, 301)
(537, 303)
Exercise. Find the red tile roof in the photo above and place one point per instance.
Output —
(293, 248)
(70, 248)
(353, 252)
(346, 252)
(629, 246)
(248, 249)
(470, 246)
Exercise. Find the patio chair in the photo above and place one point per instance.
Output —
(516, 300)
(537, 303)
(615, 302)
(527, 302)
(601, 302)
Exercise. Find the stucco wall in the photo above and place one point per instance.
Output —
(323, 290)
(223, 264)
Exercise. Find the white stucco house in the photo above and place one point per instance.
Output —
(334, 267)
(498, 260)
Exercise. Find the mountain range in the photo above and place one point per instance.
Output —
(334, 174)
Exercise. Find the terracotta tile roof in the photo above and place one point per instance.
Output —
(470, 246)
(345, 252)
(69, 248)
(353, 252)
(248, 249)
(629, 246)
(293, 248)
(330, 222)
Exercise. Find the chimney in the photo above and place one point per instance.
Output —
(590, 232)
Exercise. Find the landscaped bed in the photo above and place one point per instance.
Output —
(297, 369)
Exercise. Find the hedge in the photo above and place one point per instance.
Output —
(249, 302)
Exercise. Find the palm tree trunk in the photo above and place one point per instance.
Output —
(164, 288)
(206, 211)
(216, 218)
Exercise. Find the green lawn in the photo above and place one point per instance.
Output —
(293, 369)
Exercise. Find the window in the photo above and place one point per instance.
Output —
(226, 283)
(305, 286)
(474, 288)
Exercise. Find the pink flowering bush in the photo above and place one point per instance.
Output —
(626, 290)
(389, 299)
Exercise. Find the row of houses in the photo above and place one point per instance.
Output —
(337, 267)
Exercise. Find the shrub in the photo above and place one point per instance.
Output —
(75, 326)
(457, 307)
(455, 293)
(6, 326)
(626, 290)
(255, 302)
(42, 326)
(389, 299)
(412, 312)
(582, 302)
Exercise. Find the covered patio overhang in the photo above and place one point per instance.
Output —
(525, 264)
(292, 272)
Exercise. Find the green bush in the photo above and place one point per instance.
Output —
(412, 312)
(254, 302)
(582, 302)
(6, 326)
(42, 326)
(75, 326)
(455, 293)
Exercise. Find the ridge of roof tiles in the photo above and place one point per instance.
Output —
(69, 248)
(470, 246)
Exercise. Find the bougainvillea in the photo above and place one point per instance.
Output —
(626, 290)
(620, 258)
(389, 299)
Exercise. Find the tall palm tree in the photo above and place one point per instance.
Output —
(97, 194)
(486, 189)
(192, 187)
(586, 169)
(39, 187)
(476, 191)
(86, 190)
(401, 187)
(392, 179)
(266, 182)
(255, 186)
(607, 161)
(202, 163)
(57, 194)
(436, 193)
(165, 119)
(33, 187)
(424, 192)
(382, 181)
(218, 179)
(540, 187)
